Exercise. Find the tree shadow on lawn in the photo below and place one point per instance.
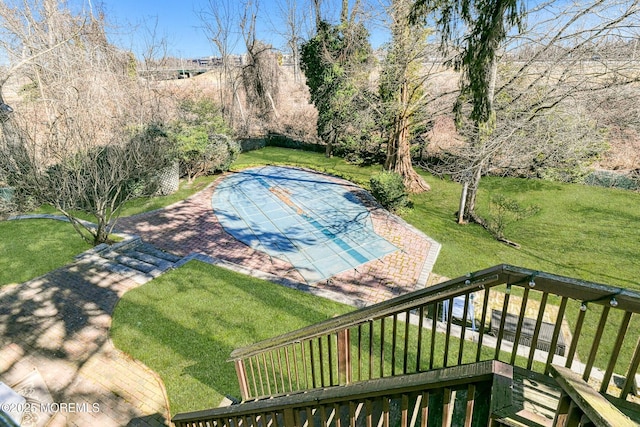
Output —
(58, 324)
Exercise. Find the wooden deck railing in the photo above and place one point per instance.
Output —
(457, 396)
(432, 328)
(581, 405)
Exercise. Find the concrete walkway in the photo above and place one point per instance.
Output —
(58, 324)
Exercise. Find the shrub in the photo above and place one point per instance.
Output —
(222, 151)
(611, 179)
(201, 141)
(388, 188)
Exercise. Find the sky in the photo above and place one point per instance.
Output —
(177, 21)
(180, 23)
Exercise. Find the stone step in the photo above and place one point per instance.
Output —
(160, 263)
(113, 266)
(134, 263)
(153, 251)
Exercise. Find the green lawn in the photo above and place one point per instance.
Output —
(32, 247)
(185, 324)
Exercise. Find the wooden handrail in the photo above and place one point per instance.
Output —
(397, 336)
(580, 399)
(580, 290)
(458, 376)
(402, 303)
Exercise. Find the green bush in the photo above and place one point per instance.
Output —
(611, 179)
(202, 144)
(221, 152)
(388, 188)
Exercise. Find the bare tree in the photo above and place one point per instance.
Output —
(154, 54)
(260, 75)
(221, 24)
(541, 79)
(79, 138)
(292, 21)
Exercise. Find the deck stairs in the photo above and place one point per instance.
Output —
(417, 360)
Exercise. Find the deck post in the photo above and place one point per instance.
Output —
(344, 357)
(242, 379)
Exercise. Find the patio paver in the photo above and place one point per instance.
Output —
(58, 325)
(191, 227)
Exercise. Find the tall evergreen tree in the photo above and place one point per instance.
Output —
(335, 63)
(485, 27)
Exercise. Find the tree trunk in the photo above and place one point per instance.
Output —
(485, 131)
(399, 149)
(472, 192)
(316, 4)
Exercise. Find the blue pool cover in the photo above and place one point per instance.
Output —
(314, 223)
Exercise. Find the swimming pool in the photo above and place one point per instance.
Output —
(315, 223)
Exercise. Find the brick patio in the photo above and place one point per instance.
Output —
(191, 227)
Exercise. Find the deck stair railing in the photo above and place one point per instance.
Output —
(581, 405)
(457, 396)
(539, 319)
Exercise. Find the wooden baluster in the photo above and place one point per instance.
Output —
(631, 373)
(485, 305)
(471, 391)
(344, 356)
(596, 342)
(536, 331)
(394, 339)
(266, 372)
(465, 313)
(313, 364)
(275, 374)
(407, 320)
(503, 320)
(576, 335)
(331, 364)
(556, 333)
(424, 409)
(615, 351)
(371, 356)
(360, 352)
(434, 324)
(420, 327)
(382, 347)
(321, 357)
(404, 411)
(447, 337)
(286, 356)
(523, 312)
(253, 377)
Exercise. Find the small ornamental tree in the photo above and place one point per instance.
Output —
(95, 181)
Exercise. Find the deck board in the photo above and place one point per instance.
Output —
(536, 399)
